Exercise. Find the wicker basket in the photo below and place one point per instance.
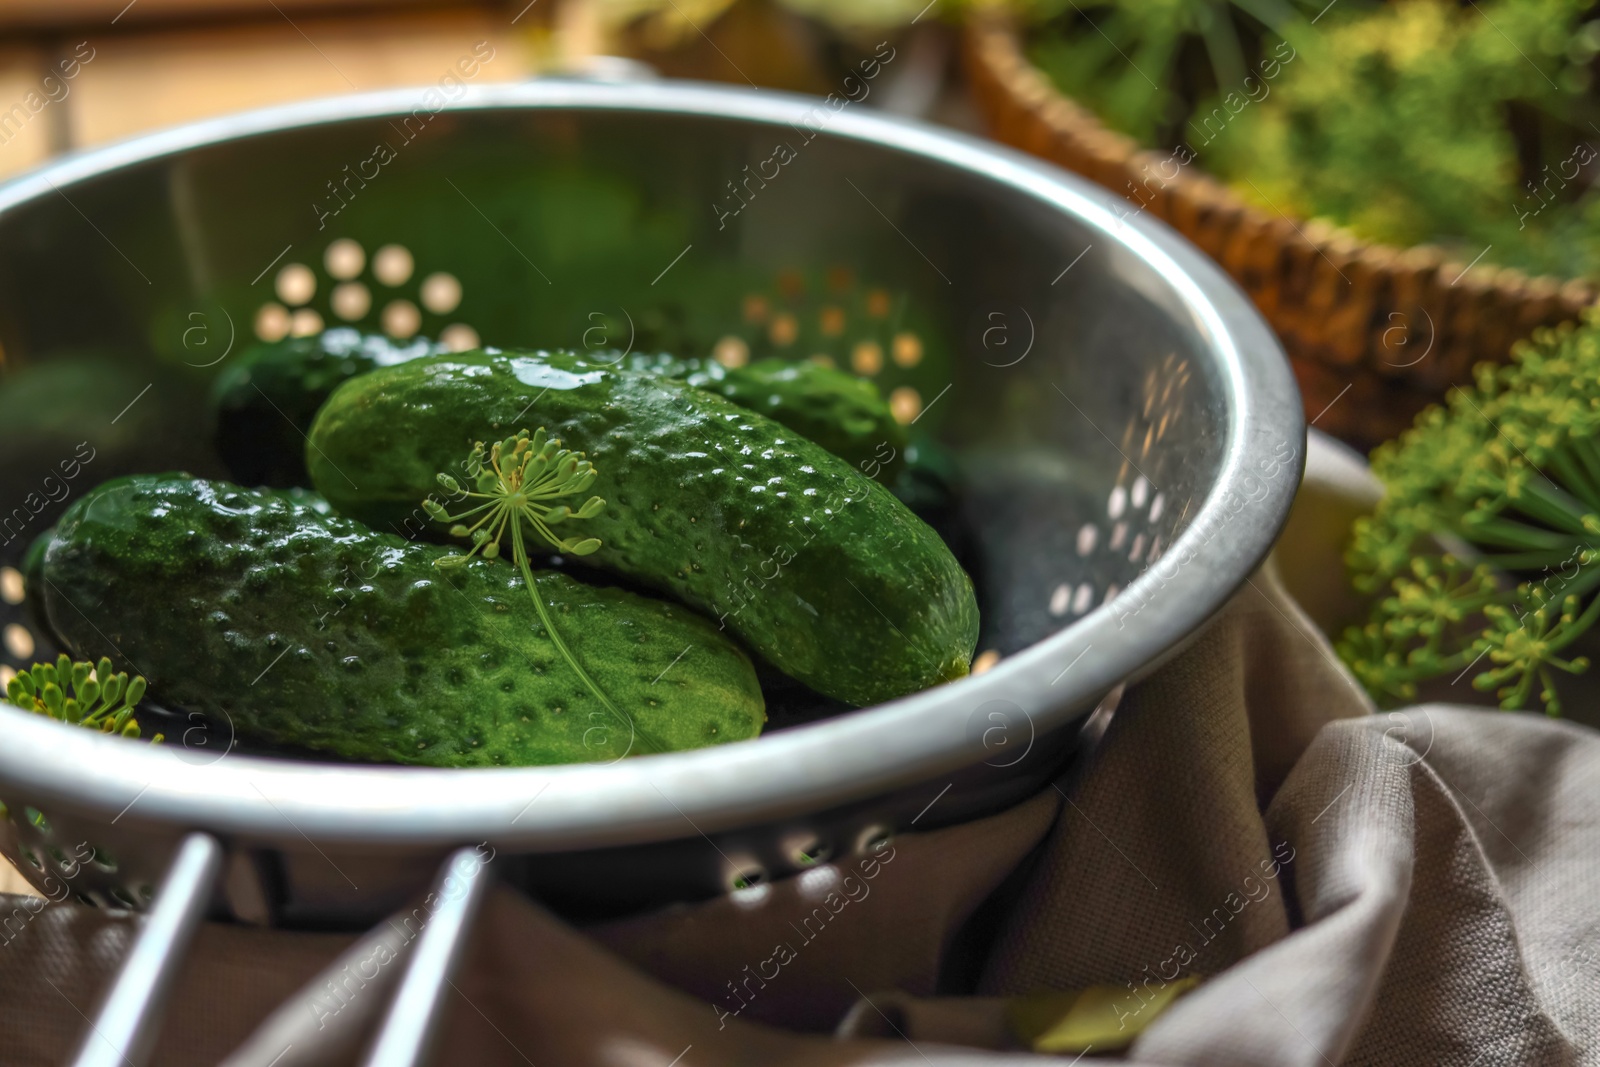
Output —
(1375, 333)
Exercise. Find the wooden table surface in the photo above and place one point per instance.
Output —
(154, 63)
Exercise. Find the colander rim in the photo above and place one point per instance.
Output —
(790, 773)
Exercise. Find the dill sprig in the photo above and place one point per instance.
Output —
(82, 694)
(518, 481)
(1484, 554)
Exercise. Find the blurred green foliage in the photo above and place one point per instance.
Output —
(671, 23)
(1145, 66)
(1467, 125)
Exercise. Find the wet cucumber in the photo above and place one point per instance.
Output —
(817, 568)
(263, 405)
(312, 630)
(845, 414)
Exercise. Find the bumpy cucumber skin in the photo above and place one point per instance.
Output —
(817, 568)
(263, 403)
(313, 630)
(845, 414)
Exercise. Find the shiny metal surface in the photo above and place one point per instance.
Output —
(355, 988)
(411, 1021)
(124, 1029)
(1126, 428)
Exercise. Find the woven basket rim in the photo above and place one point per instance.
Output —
(995, 41)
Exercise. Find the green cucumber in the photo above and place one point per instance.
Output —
(816, 567)
(263, 403)
(313, 630)
(845, 414)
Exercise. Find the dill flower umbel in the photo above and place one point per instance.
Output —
(1484, 554)
(81, 693)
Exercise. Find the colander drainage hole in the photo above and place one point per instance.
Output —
(36, 818)
(812, 853)
(748, 878)
(105, 861)
(874, 838)
(123, 897)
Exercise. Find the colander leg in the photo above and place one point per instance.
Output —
(125, 1027)
(412, 1020)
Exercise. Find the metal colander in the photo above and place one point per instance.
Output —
(1123, 430)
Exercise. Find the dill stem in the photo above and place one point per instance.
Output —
(1526, 561)
(1510, 533)
(519, 549)
(1551, 504)
(1588, 456)
(1579, 626)
(1587, 578)
(1562, 461)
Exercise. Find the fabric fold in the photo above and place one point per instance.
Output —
(1353, 888)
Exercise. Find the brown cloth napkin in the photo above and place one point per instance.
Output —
(1355, 888)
